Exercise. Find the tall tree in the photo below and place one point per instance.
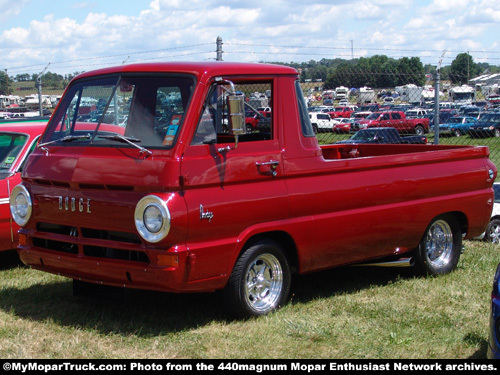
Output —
(4, 81)
(463, 68)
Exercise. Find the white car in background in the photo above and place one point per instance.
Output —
(492, 233)
(321, 122)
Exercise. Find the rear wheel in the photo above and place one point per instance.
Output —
(439, 251)
(419, 130)
(493, 232)
(260, 281)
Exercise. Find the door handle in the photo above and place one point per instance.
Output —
(272, 165)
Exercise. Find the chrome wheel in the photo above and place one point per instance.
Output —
(439, 250)
(439, 243)
(264, 282)
(260, 280)
(493, 232)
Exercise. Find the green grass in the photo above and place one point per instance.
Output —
(354, 312)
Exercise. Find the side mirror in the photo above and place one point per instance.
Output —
(236, 108)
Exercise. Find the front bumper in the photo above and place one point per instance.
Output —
(123, 273)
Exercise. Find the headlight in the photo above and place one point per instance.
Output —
(20, 205)
(152, 218)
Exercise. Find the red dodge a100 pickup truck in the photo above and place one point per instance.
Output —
(167, 191)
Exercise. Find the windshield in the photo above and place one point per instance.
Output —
(365, 135)
(373, 116)
(147, 111)
(11, 145)
(490, 118)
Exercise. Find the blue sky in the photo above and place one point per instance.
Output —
(73, 35)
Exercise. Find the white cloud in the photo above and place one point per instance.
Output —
(173, 28)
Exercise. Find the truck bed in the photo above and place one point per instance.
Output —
(350, 151)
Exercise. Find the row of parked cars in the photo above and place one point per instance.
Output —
(468, 120)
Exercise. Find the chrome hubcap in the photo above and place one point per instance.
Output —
(495, 234)
(264, 282)
(439, 243)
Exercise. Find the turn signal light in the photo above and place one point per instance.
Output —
(23, 239)
(168, 260)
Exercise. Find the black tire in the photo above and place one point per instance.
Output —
(439, 250)
(260, 281)
(458, 133)
(492, 233)
(496, 133)
(419, 130)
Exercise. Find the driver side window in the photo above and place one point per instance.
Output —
(213, 125)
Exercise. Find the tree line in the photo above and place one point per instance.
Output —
(52, 81)
(378, 71)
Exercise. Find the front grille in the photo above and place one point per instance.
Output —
(73, 240)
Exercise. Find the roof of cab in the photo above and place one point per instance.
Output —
(212, 68)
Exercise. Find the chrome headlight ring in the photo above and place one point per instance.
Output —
(21, 205)
(152, 218)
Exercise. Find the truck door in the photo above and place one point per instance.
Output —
(229, 186)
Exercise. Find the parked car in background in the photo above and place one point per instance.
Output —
(446, 113)
(383, 135)
(321, 122)
(17, 140)
(416, 113)
(342, 125)
(345, 112)
(494, 334)
(486, 126)
(398, 120)
(457, 125)
(492, 233)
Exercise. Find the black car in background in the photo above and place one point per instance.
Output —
(488, 125)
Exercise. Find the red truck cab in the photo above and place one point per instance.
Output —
(166, 190)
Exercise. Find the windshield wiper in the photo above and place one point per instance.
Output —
(68, 138)
(128, 140)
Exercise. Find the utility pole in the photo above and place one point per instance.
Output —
(352, 50)
(7, 81)
(219, 49)
(39, 86)
(436, 100)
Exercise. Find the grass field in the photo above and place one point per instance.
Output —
(353, 312)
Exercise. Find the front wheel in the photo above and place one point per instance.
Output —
(439, 251)
(260, 281)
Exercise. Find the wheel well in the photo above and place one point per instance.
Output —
(462, 220)
(284, 239)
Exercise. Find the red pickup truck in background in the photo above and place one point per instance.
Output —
(393, 119)
(179, 198)
(344, 112)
